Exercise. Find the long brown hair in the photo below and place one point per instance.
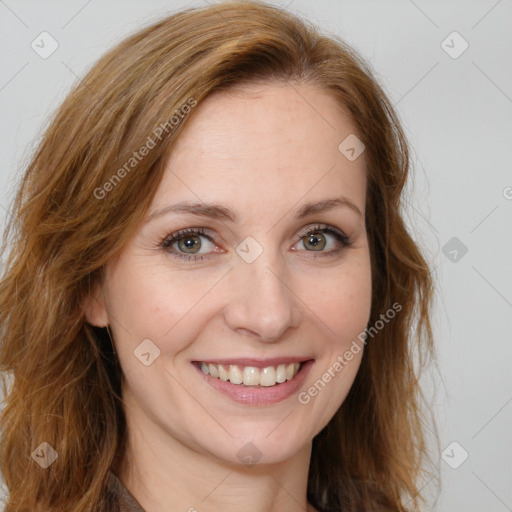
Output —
(66, 380)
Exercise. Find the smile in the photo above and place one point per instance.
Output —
(251, 375)
(255, 382)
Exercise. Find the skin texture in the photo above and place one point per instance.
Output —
(263, 151)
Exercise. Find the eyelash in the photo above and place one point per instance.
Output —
(343, 240)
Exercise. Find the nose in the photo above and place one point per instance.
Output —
(262, 304)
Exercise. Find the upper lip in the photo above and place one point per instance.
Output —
(256, 363)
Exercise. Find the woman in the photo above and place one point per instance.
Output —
(211, 301)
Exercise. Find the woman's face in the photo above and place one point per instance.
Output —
(254, 256)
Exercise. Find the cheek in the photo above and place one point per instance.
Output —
(343, 304)
(148, 301)
(342, 299)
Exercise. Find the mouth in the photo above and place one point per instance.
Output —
(239, 375)
(255, 382)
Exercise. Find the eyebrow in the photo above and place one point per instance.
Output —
(219, 212)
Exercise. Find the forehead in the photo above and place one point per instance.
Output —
(264, 142)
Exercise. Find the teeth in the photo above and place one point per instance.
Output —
(235, 374)
(289, 370)
(268, 376)
(223, 374)
(214, 371)
(281, 373)
(250, 375)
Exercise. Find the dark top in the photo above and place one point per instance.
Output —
(120, 497)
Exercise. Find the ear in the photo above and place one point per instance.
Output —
(94, 308)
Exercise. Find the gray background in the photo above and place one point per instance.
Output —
(457, 113)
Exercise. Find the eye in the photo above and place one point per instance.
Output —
(318, 238)
(193, 243)
(188, 243)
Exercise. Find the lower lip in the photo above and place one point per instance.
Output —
(258, 395)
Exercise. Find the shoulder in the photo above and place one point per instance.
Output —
(119, 497)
